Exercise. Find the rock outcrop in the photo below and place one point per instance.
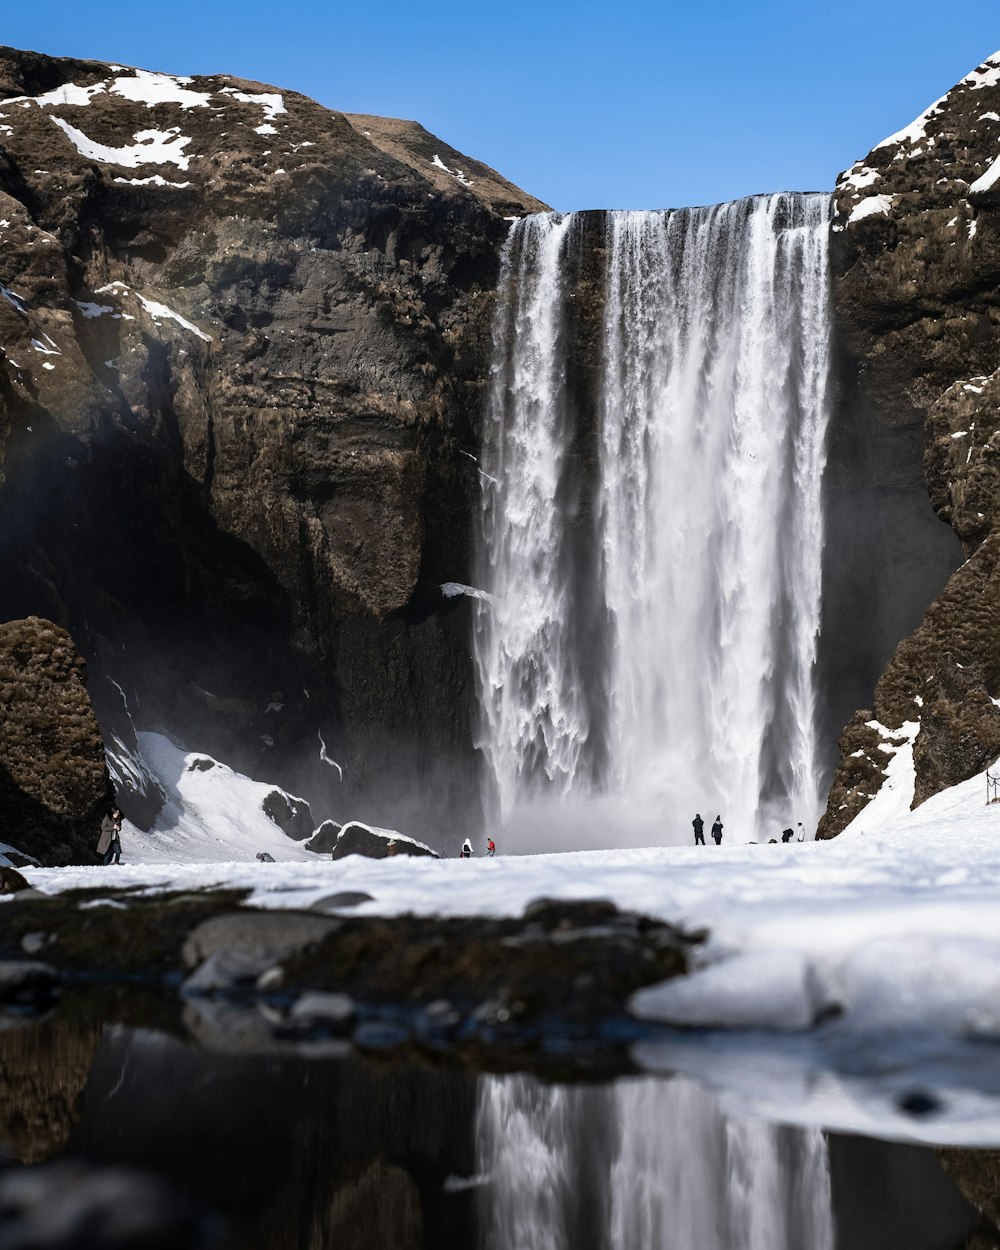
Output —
(359, 839)
(243, 344)
(917, 296)
(54, 785)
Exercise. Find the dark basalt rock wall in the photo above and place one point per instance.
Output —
(916, 254)
(54, 785)
(242, 345)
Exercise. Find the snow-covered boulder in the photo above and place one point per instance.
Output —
(324, 839)
(359, 839)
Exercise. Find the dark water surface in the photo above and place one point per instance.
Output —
(287, 1151)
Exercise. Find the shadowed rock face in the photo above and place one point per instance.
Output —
(244, 339)
(916, 250)
(54, 785)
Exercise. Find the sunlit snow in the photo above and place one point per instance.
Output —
(151, 147)
(871, 206)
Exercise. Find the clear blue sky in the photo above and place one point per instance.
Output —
(643, 105)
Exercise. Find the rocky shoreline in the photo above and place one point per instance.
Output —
(546, 993)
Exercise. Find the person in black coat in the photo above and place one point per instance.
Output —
(717, 831)
(699, 830)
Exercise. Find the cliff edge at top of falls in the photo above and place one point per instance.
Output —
(916, 262)
(243, 340)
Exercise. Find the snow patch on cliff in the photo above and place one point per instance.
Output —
(870, 207)
(151, 147)
(987, 180)
(270, 101)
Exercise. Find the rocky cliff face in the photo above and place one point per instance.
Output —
(242, 341)
(917, 295)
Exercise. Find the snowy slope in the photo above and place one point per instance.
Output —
(212, 814)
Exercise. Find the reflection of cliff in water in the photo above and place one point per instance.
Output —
(43, 1069)
(295, 1154)
(363, 1154)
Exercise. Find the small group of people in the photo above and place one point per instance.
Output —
(109, 845)
(467, 852)
(699, 830)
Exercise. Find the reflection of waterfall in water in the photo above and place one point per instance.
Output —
(688, 527)
(645, 1165)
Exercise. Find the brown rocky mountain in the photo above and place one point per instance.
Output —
(917, 300)
(243, 341)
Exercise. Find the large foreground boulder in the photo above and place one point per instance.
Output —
(54, 784)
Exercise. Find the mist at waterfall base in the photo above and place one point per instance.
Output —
(652, 533)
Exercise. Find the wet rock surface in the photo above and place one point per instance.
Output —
(54, 785)
(503, 992)
(916, 259)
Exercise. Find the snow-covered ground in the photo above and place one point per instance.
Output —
(890, 934)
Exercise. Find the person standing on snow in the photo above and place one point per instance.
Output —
(699, 829)
(466, 849)
(109, 846)
(717, 831)
(491, 847)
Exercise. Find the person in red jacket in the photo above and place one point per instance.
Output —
(491, 847)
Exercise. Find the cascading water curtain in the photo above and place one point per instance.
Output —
(713, 427)
(712, 423)
(533, 714)
(708, 537)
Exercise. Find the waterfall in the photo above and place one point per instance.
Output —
(530, 682)
(651, 549)
(702, 534)
(649, 1165)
